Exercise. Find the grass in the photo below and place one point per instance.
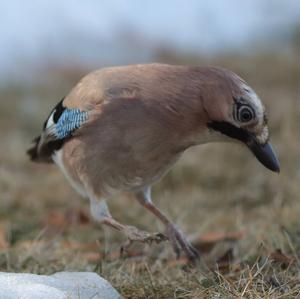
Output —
(214, 189)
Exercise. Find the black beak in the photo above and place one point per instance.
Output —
(264, 154)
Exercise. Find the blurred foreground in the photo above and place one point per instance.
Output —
(247, 216)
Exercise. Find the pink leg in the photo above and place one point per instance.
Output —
(100, 212)
(175, 236)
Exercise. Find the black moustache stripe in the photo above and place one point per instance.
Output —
(229, 130)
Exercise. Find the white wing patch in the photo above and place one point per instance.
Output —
(50, 121)
(67, 123)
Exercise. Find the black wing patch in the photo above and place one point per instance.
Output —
(58, 110)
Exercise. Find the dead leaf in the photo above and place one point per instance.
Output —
(225, 262)
(182, 261)
(3, 239)
(130, 253)
(279, 257)
(67, 244)
(29, 245)
(206, 242)
(56, 219)
(77, 216)
(92, 256)
(62, 220)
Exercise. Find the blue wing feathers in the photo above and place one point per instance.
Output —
(59, 126)
(69, 121)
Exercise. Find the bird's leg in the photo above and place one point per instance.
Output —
(100, 212)
(175, 236)
(133, 234)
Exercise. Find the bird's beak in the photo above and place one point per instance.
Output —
(264, 154)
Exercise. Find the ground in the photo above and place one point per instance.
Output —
(243, 218)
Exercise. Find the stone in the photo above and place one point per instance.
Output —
(61, 285)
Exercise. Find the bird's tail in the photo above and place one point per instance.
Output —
(34, 153)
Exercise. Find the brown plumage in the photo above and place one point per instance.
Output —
(122, 128)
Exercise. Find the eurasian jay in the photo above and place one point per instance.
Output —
(121, 129)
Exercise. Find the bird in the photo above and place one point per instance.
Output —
(122, 128)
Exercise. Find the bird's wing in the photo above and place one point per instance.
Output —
(60, 126)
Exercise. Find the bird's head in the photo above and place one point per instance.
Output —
(240, 115)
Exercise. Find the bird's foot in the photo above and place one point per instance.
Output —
(180, 243)
(135, 235)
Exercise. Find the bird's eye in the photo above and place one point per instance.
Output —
(244, 113)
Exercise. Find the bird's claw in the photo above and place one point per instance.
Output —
(179, 243)
(135, 235)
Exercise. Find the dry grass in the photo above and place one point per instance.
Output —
(214, 188)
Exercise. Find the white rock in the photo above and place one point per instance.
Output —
(61, 285)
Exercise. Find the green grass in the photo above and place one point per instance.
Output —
(45, 227)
